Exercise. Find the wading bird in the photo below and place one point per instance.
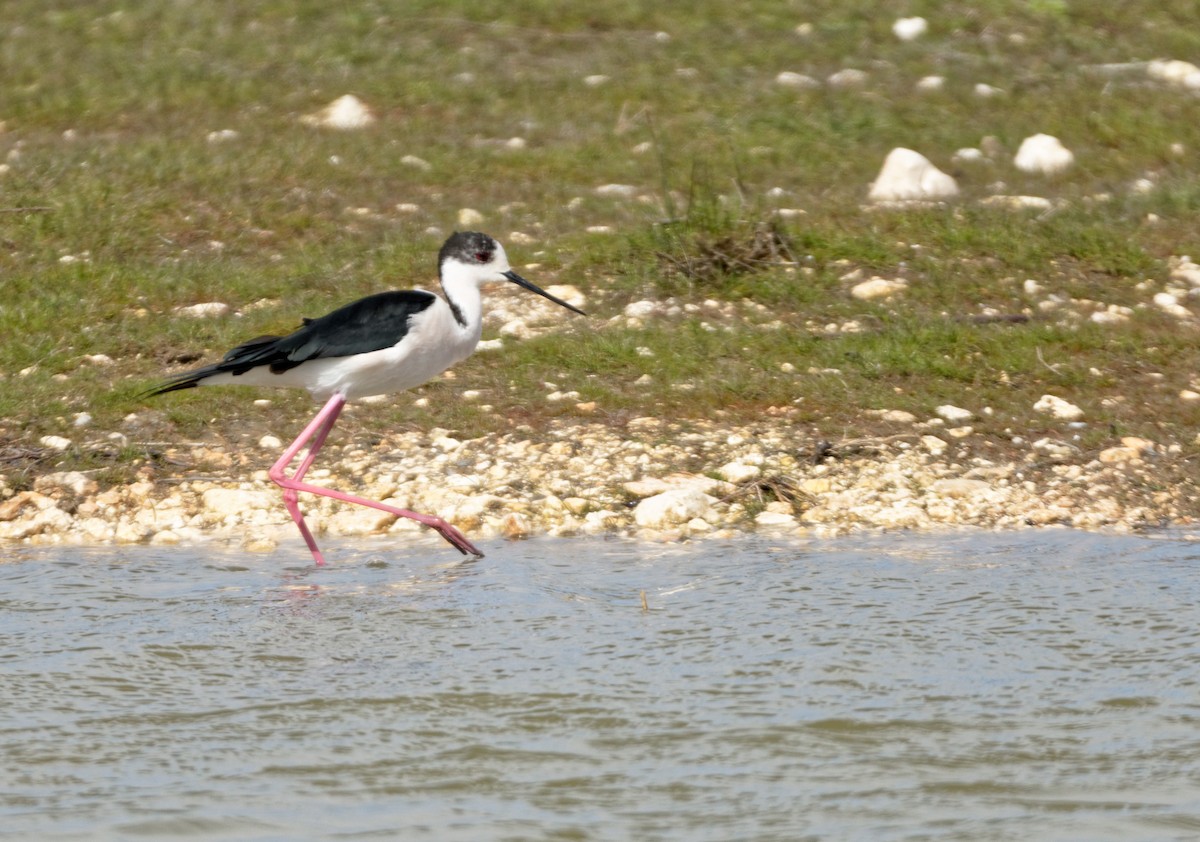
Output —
(387, 342)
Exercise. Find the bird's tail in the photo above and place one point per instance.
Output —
(238, 361)
(183, 380)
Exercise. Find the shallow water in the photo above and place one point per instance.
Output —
(1039, 685)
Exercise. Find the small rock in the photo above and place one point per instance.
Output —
(640, 309)
(878, 288)
(1058, 408)
(515, 525)
(269, 442)
(934, 445)
(738, 472)
(788, 79)
(907, 176)
(908, 29)
(931, 83)
(770, 519)
(620, 191)
(469, 216)
(1170, 305)
(1043, 153)
(49, 519)
(235, 501)
(671, 508)
(416, 163)
(954, 414)
(77, 483)
(55, 442)
(344, 113)
(21, 503)
(222, 136)
(205, 310)
(359, 520)
(848, 78)
(1017, 202)
(1174, 72)
(1119, 455)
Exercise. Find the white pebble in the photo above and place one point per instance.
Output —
(954, 414)
(1174, 72)
(55, 442)
(416, 163)
(621, 191)
(1058, 408)
(469, 216)
(1043, 153)
(344, 113)
(789, 79)
(908, 29)
(878, 288)
(205, 310)
(848, 78)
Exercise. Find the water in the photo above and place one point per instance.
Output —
(1040, 685)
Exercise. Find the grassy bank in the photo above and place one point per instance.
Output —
(119, 207)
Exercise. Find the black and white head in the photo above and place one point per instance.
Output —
(470, 257)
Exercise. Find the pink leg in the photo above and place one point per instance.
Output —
(317, 430)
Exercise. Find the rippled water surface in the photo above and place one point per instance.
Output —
(1042, 685)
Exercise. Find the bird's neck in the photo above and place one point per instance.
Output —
(462, 294)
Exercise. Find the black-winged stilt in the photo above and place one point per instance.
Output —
(387, 342)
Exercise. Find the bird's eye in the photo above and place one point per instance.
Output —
(482, 256)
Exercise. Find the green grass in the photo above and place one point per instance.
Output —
(107, 108)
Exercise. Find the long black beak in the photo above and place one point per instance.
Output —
(532, 287)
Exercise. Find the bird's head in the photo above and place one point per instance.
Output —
(478, 258)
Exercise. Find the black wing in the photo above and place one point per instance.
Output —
(369, 324)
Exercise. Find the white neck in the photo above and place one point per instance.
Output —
(461, 289)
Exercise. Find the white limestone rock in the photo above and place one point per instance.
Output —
(909, 29)
(236, 501)
(737, 472)
(789, 79)
(954, 414)
(1058, 408)
(345, 113)
(204, 310)
(1044, 154)
(672, 508)
(878, 288)
(74, 481)
(1174, 72)
(908, 176)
